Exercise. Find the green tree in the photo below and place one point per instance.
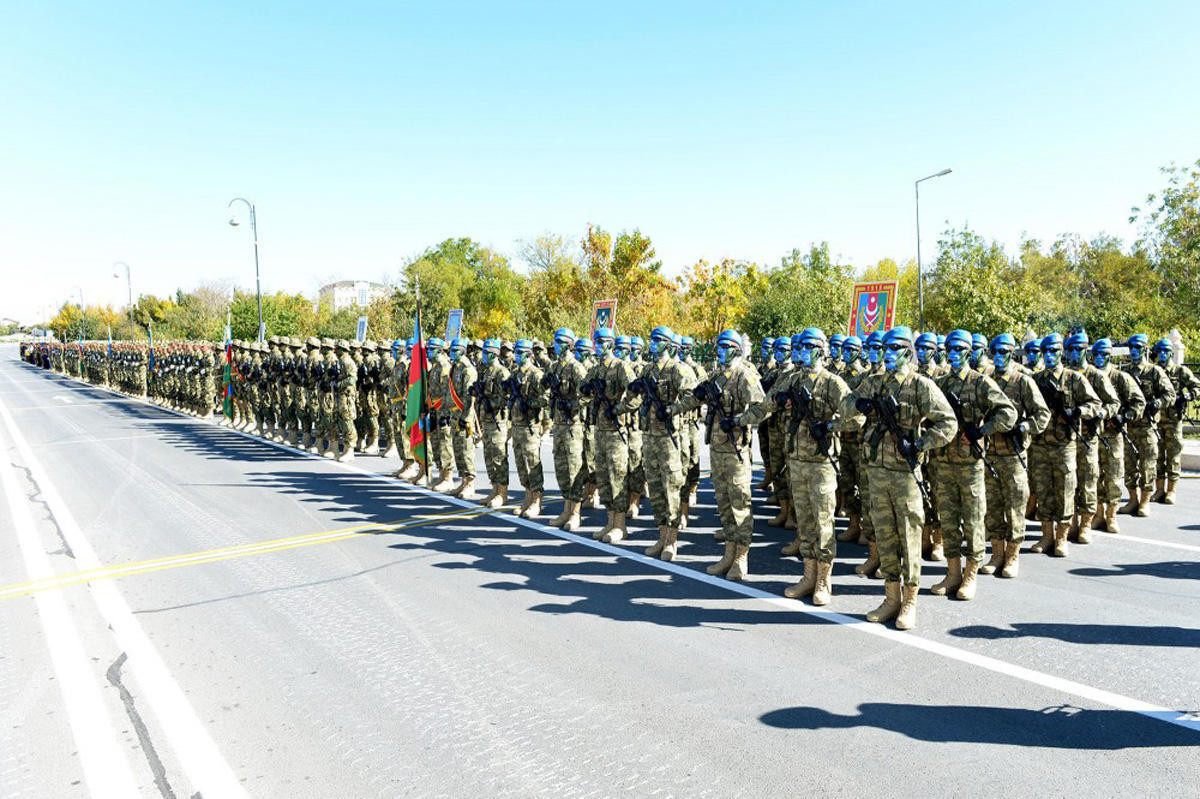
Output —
(1171, 233)
(974, 286)
(808, 289)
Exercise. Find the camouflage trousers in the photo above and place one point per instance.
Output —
(864, 492)
(612, 470)
(286, 404)
(589, 455)
(691, 435)
(387, 429)
(897, 514)
(1141, 468)
(495, 451)
(369, 413)
(960, 503)
(1004, 517)
(1112, 469)
(303, 411)
(346, 411)
(814, 496)
(663, 459)
(399, 411)
(929, 470)
(731, 484)
(568, 460)
(463, 442)
(1170, 451)
(326, 417)
(778, 464)
(440, 449)
(636, 482)
(848, 466)
(527, 452)
(1052, 473)
(1087, 474)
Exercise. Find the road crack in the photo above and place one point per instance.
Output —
(35, 498)
(155, 762)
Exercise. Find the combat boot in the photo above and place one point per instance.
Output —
(458, 489)
(937, 553)
(330, 449)
(1046, 542)
(1081, 533)
(608, 525)
(722, 566)
(656, 550)
(670, 545)
(823, 590)
(1098, 518)
(1160, 491)
(306, 441)
(793, 548)
(405, 470)
(444, 482)
(1012, 560)
(870, 567)
(372, 447)
(806, 584)
(952, 580)
(766, 481)
(346, 456)
(1060, 540)
(1073, 528)
(617, 533)
(535, 506)
(391, 451)
(1143, 508)
(997, 557)
(1110, 518)
(907, 618)
(634, 499)
(685, 506)
(572, 522)
(466, 490)
(498, 497)
(1169, 497)
(785, 508)
(852, 528)
(589, 496)
(890, 606)
(1131, 506)
(528, 498)
(740, 567)
(966, 591)
(561, 519)
(417, 477)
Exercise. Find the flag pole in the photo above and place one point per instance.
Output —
(424, 388)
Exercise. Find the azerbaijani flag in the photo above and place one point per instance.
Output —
(415, 407)
(227, 373)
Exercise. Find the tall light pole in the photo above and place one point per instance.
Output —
(129, 286)
(81, 314)
(920, 269)
(233, 222)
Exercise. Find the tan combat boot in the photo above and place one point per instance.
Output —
(1061, 547)
(608, 525)
(561, 519)
(966, 591)
(372, 447)
(634, 499)
(1159, 490)
(1169, 497)
(458, 489)
(589, 496)
(1082, 536)
(766, 481)
(869, 567)
(722, 565)
(684, 507)
(391, 451)
(791, 549)
(997, 557)
(890, 606)
(1012, 560)
(617, 533)
(823, 591)
(785, 510)
(670, 544)
(1073, 528)
(444, 482)
(952, 580)
(656, 550)
(1046, 542)
(806, 584)
(1143, 508)
(498, 497)
(937, 554)
(852, 528)
(524, 506)
(572, 522)
(741, 563)
(907, 618)
(1131, 506)
(418, 476)
(1099, 518)
(327, 451)
(1110, 518)
(347, 455)
(535, 506)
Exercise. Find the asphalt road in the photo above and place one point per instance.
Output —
(390, 642)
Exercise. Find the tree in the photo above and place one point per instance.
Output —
(974, 286)
(1171, 233)
(718, 295)
(807, 290)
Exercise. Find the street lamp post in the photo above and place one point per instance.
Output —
(920, 269)
(81, 313)
(233, 222)
(129, 286)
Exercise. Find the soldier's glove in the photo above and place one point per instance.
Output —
(972, 432)
(908, 449)
(1153, 407)
(462, 424)
(727, 425)
(781, 399)
(1071, 414)
(1128, 415)
(820, 430)
(662, 414)
(610, 413)
(864, 405)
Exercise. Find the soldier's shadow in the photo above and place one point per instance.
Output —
(1119, 634)
(1060, 727)
(1169, 569)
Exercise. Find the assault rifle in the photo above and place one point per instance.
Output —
(596, 389)
(888, 409)
(553, 382)
(1120, 422)
(476, 391)
(708, 392)
(801, 399)
(515, 397)
(972, 433)
(647, 387)
(1056, 399)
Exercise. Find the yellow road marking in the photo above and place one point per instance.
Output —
(68, 579)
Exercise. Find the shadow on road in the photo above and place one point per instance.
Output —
(1169, 569)
(1060, 727)
(1121, 634)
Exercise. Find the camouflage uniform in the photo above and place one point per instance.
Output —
(663, 383)
(1170, 426)
(850, 462)
(463, 425)
(1087, 454)
(563, 380)
(526, 409)
(440, 446)
(611, 406)
(1141, 467)
(346, 399)
(1112, 456)
(491, 402)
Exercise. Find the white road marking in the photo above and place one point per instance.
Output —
(1185, 719)
(198, 755)
(1123, 537)
(101, 753)
(63, 398)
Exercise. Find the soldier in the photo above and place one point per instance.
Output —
(729, 392)
(689, 425)
(459, 406)
(330, 365)
(1141, 450)
(872, 351)
(608, 387)
(491, 403)
(1007, 483)
(850, 462)
(563, 381)
(776, 435)
(583, 353)
(1087, 456)
(370, 381)
(346, 400)
(1052, 466)
(540, 358)
(525, 402)
(810, 397)
(303, 388)
(440, 444)
(1112, 433)
(765, 369)
(979, 346)
(981, 410)
(1170, 424)
(1033, 355)
(388, 435)
(835, 363)
(908, 415)
(635, 483)
(932, 541)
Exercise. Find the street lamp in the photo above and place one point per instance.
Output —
(233, 222)
(129, 286)
(920, 271)
(81, 313)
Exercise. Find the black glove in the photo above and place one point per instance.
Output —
(820, 430)
(908, 449)
(610, 413)
(662, 414)
(1071, 414)
(462, 424)
(864, 405)
(972, 432)
(1153, 407)
(1128, 415)
(727, 425)
(781, 399)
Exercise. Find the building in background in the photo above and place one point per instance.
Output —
(351, 293)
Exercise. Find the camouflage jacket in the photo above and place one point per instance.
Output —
(739, 388)
(1032, 412)
(923, 414)
(614, 399)
(528, 378)
(1156, 388)
(1186, 385)
(828, 392)
(1110, 402)
(569, 374)
(984, 405)
(1133, 401)
(671, 379)
(1076, 392)
(462, 377)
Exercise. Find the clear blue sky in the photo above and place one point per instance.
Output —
(368, 131)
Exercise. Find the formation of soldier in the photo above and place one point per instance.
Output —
(931, 446)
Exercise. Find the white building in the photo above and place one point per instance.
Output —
(351, 293)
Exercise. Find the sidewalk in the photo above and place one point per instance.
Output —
(1191, 455)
